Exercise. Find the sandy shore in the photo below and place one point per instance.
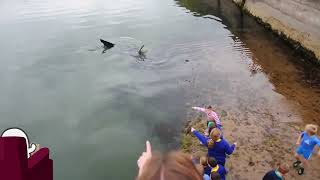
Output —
(261, 144)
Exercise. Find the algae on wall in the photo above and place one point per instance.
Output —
(297, 21)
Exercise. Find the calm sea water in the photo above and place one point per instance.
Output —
(95, 111)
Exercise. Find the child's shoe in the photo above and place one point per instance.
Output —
(296, 164)
(300, 170)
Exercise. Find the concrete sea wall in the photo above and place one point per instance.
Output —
(296, 20)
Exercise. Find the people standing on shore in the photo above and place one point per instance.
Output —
(217, 168)
(218, 147)
(210, 165)
(211, 116)
(306, 142)
(201, 171)
(179, 166)
(215, 176)
(277, 174)
(206, 167)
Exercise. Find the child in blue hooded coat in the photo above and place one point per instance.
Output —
(217, 146)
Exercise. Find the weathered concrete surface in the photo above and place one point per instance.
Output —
(299, 20)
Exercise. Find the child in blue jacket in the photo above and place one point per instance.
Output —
(277, 174)
(217, 146)
(205, 165)
(217, 168)
(209, 165)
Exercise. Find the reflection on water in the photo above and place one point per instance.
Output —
(283, 91)
(96, 110)
(284, 67)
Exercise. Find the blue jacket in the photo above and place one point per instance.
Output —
(272, 175)
(219, 150)
(207, 170)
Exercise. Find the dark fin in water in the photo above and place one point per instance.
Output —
(140, 50)
(142, 55)
(107, 44)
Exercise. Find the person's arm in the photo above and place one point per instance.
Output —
(318, 143)
(299, 139)
(201, 137)
(199, 109)
(229, 149)
(225, 171)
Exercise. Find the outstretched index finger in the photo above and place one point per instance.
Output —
(148, 147)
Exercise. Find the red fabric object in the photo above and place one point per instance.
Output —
(13, 158)
(14, 164)
(40, 166)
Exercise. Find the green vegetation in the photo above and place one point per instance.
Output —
(189, 143)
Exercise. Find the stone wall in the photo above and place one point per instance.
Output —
(298, 20)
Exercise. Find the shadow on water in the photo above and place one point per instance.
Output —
(292, 76)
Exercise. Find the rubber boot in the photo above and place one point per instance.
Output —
(300, 170)
(296, 164)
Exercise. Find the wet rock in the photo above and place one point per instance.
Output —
(251, 163)
(223, 113)
(237, 176)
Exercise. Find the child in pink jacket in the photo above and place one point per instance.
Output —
(211, 116)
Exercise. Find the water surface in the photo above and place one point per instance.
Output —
(94, 111)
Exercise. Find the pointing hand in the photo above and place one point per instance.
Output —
(144, 157)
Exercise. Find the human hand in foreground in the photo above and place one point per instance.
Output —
(192, 129)
(235, 143)
(144, 157)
